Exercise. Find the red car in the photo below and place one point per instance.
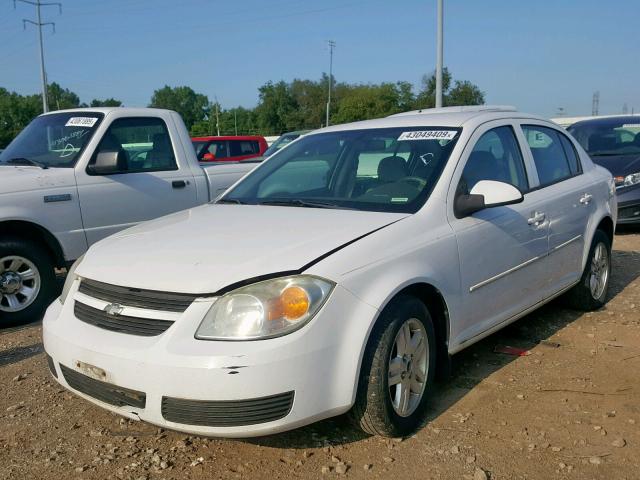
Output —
(228, 149)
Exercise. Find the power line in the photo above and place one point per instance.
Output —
(39, 23)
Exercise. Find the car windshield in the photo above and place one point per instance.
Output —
(54, 140)
(389, 170)
(282, 141)
(616, 136)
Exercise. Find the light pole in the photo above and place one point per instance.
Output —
(439, 55)
(332, 45)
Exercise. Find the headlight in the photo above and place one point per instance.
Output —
(266, 309)
(71, 276)
(628, 181)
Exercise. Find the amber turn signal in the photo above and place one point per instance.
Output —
(294, 302)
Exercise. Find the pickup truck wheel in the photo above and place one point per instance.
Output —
(398, 370)
(27, 281)
(591, 292)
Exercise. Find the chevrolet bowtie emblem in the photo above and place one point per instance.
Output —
(113, 309)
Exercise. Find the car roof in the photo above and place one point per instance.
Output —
(227, 137)
(609, 119)
(437, 117)
(106, 110)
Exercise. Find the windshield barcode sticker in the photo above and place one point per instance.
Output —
(81, 122)
(631, 125)
(428, 135)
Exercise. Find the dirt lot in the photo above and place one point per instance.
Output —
(570, 409)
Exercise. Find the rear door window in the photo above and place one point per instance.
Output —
(549, 154)
(241, 148)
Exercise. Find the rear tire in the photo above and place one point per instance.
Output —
(27, 281)
(591, 292)
(392, 365)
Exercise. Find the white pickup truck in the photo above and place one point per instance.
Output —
(73, 177)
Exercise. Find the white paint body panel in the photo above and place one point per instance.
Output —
(490, 268)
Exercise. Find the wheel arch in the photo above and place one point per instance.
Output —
(435, 302)
(606, 225)
(33, 231)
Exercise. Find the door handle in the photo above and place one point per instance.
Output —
(179, 184)
(537, 219)
(586, 199)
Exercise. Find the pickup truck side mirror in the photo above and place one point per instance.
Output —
(208, 157)
(486, 194)
(107, 161)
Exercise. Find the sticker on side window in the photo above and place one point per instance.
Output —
(428, 135)
(81, 122)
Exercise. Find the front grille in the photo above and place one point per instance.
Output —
(52, 366)
(103, 391)
(135, 297)
(231, 413)
(146, 327)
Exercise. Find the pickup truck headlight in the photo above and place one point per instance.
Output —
(71, 276)
(628, 181)
(266, 309)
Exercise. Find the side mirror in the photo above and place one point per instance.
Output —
(486, 194)
(106, 163)
(208, 157)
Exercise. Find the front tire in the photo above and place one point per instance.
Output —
(27, 281)
(591, 292)
(398, 370)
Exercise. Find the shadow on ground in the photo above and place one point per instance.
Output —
(470, 366)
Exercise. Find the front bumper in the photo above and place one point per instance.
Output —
(629, 205)
(315, 369)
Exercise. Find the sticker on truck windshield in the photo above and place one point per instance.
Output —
(428, 135)
(631, 125)
(81, 122)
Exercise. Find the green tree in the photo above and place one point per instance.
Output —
(16, 111)
(61, 98)
(107, 102)
(192, 106)
(276, 110)
(462, 93)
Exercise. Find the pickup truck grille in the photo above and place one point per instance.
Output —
(136, 297)
(145, 327)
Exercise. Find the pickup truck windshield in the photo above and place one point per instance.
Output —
(386, 169)
(54, 140)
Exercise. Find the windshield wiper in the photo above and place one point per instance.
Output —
(231, 200)
(613, 154)
(296, 202)
(26, 161)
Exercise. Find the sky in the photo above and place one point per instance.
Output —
(538, 55)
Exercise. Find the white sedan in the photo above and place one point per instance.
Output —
(340, 275)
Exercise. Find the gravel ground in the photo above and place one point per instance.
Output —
(570, 409)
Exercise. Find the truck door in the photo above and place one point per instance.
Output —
(148, 183)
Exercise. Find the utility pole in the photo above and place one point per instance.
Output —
(332, 45)
(217, 117)
(39, 23)
(235, 121)
(439, 55)
(595, 103)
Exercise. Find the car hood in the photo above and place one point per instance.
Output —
(207, 248)
(14, 179)
(619, 165)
